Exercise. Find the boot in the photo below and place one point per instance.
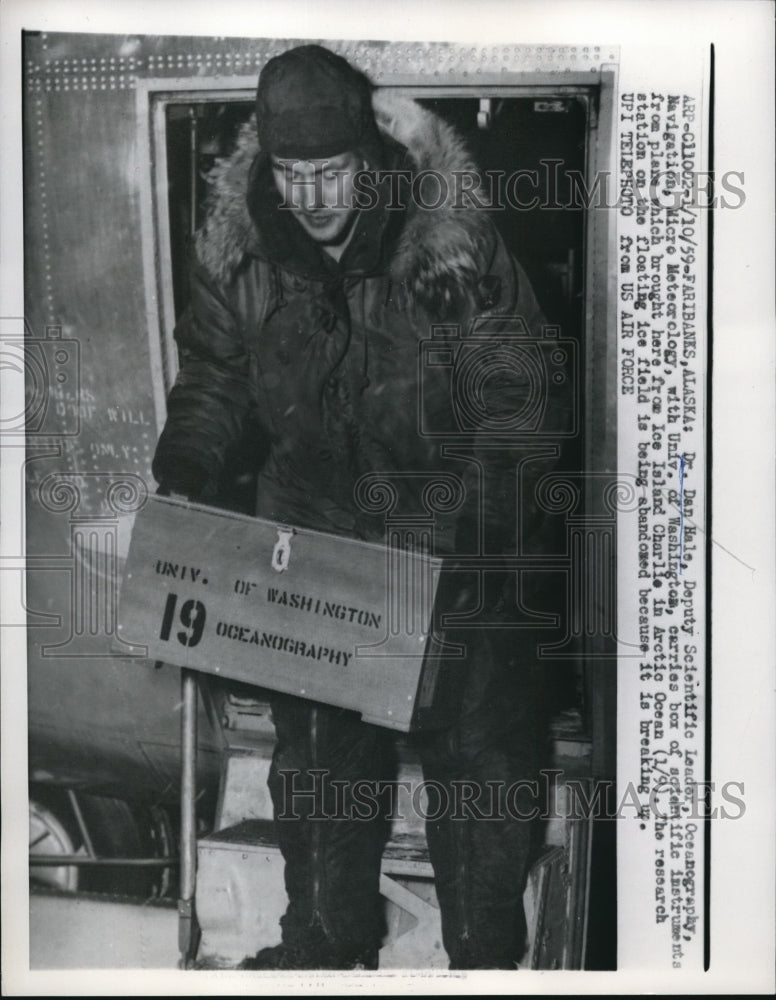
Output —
(315, 955)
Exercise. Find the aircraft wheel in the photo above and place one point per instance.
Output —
(50, 835)
(106, 828)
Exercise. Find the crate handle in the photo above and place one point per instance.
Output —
(281, 554)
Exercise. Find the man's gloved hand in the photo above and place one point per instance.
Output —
(185, 481)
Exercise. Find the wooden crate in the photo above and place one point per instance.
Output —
(325, 617)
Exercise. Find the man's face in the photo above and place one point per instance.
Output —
(320, 194)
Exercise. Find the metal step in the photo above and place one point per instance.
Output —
(241, 898)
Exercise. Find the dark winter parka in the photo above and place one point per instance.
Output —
(344, 368)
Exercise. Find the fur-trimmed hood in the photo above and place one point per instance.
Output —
(439, 255)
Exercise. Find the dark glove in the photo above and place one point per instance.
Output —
(187, 479)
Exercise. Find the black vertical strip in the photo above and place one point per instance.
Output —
(709, 531)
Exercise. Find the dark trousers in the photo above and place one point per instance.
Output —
(477, 773)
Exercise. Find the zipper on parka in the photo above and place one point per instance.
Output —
(462, 879)
(460, 840)
(317, 915)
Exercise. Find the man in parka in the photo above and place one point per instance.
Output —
(311, 296)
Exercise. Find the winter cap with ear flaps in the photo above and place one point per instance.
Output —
(311, 103)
